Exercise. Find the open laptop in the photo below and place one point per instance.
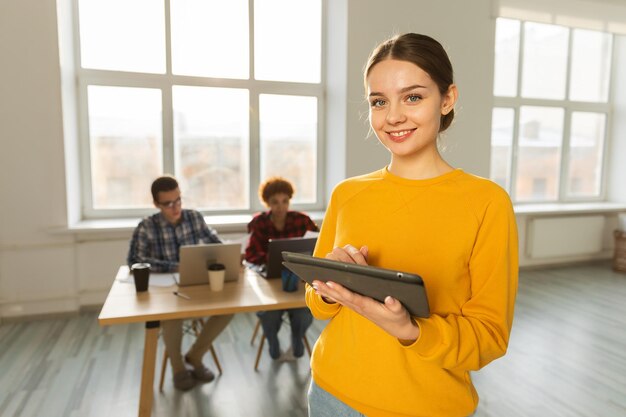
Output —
(194, 260)
(275, 248)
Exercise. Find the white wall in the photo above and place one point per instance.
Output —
(617, 152)
(43, 270)
(33, 263)
(471, 53)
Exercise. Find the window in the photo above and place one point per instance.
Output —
(222, 94)
(551, 88)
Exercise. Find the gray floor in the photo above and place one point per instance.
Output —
(567, 358)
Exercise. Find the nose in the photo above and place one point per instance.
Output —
(395, 114)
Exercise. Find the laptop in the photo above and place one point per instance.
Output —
(275, 248)
(194, 260)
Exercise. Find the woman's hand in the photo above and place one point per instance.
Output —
(349, 254)
(391, 316)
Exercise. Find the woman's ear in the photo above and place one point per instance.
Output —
(449, 99)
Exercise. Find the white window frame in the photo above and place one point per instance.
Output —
(165, 82)
(568, 106)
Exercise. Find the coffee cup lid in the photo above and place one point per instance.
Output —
(216, 267)
(140, 265)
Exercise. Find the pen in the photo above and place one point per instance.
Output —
(180, 294)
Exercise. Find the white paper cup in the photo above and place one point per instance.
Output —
(216, 277)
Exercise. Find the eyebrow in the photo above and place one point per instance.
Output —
(402, 90)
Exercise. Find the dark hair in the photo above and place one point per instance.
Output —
(164, 183)
(423, 51)
(275, 185)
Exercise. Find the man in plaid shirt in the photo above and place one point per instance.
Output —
(157, 240)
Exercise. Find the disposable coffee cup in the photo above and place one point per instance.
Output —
(141, 273)
(216, 276)
(290, 280)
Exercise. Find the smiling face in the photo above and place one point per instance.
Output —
(405, 113)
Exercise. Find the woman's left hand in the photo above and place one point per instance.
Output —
(391, 315)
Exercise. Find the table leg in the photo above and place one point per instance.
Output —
(147, 373)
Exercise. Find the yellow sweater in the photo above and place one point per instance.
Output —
(458, 232)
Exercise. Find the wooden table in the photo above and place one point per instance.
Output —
(124, 305)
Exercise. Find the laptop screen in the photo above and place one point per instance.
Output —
(304, 245)
(195, 258)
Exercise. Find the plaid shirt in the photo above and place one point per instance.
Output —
(157, 242)
(262, 229)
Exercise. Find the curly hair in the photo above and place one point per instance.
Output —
(275, 185)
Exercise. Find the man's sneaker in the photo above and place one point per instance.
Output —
(184, 380)
(200, 373)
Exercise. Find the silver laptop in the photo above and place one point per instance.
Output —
(194, 260)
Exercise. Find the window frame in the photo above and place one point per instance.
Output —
(164, 83)
(569, 106)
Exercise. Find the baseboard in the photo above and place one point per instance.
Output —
(556, 261)
(51, 308)
(595, 261)
(38, 308)
(36, 317)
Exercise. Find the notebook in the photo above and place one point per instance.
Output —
(194, 260)
(371, 281)
(275, 248)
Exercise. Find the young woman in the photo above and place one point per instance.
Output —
(278, 223)
(418, 215)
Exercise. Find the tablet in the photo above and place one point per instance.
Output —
(371, 281)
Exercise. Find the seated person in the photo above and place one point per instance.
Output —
(157, 240)
(278, 223)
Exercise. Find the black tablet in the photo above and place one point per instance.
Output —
(371, 281)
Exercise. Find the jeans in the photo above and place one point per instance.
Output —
(323, 404)
(300, 320)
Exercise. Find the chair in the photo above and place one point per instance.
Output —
(194, 328)
(260, 350)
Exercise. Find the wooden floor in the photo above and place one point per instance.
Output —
(567, 358)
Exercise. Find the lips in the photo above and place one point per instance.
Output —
(400, 135)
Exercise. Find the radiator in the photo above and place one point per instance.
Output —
(564, 236)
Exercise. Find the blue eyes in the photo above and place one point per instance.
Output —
(411, 99)
(414, 98)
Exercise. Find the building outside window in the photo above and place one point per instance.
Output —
(222, 94)
(551, 112)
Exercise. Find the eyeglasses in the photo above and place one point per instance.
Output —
(171, 204)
